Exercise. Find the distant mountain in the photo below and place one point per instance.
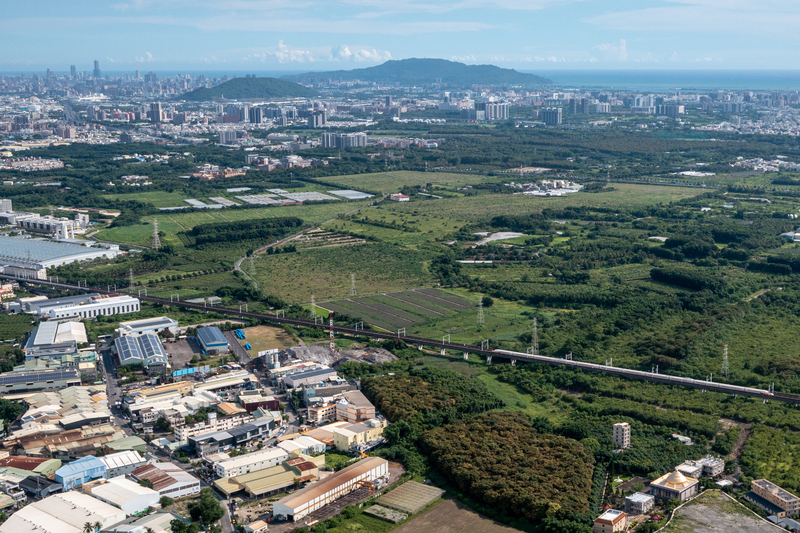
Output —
(426, 71)
(244, 88)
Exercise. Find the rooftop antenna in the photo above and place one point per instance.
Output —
(535, 338)
(725, 362)
(480, 312)
(352, 284)
(156, 241)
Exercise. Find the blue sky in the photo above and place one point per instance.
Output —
(296, 35)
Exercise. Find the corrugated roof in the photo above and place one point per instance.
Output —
(211, 335)
(303, 496)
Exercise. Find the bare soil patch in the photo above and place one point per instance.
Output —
(453, 517)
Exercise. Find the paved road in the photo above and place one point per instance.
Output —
(238, 350)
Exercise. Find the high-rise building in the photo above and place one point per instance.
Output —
(551, 115)
(137, 75)
(317, 119)
(73, 72)
(603, 107)
(622, 435)
(227, 137)
(256, 115)
(344, 140)
(91, 112)
(155, 112)
(5, 205)
(244, 113)
(96, 71)
(388, 101)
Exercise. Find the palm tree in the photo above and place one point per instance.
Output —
(149, 530)
(88, 527)
(98, 526)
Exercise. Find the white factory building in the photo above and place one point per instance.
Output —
(318, 495)
(36, 254)
(100, 305)
(251, 462)
(168, 479)
(62, 513)
(123, 493)
(122, 463)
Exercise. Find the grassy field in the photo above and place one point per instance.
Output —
(13, 327)
(470, 208)
(390, 182)
(173, 223)
(407, 228)
(266, 338)
(325, 272)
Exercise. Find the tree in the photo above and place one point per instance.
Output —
(207, 509)
(487, 301)
(146, 483)
(163, 424)
(166, 501)
(88, 527)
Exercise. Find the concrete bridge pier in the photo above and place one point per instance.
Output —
(489, 360)
(513, 362)
(419, 347)
(441, 352)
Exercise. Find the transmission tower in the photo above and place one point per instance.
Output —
(313, 309)
(352, 284)
(156, 241)
(725, 362)
(130, 275)
(480, 312)
(535, 338)
(252, 267)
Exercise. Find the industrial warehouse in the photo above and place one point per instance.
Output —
(29, 258)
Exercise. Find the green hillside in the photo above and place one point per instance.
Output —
(424, 71)
(242, 88)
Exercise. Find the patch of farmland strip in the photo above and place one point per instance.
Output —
(412, 308)
(370, 302)
(440, 302)
(353, 313)
(456, 300)
(428, 311)
(385, 315)
(428, 302)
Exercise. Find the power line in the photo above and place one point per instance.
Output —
(535, 338)
(131, 278)
(252, 267)
(313, 309)
(480, 312)
(352, 284)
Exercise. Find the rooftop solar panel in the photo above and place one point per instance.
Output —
(37, 377)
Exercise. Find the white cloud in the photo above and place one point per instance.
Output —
(618, 51)
(360, 55)
(110, 60)
(148, 58)
(464, 59)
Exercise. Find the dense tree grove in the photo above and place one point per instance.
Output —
(501, 460)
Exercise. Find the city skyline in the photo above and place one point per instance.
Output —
(240, 35)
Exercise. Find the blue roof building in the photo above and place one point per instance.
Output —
(81, 471)
(211, 338)
(145, 349)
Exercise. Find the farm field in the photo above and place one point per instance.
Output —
(466, 208)
(156, 198)
(325, 272)
(191, 288)
(394, 311)
(713, 512)
(173, 223)
(453, 517)
(390, 182)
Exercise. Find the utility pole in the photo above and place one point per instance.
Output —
(725, 362)
(156, 241)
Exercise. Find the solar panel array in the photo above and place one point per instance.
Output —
(38, 377)
(128, 350)
(152, 349)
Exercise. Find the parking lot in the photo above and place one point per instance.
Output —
(181, 352)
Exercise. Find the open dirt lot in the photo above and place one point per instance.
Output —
(713, 512)
(453, 517)
(266, 338)
(181, 352)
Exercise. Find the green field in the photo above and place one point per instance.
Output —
(173, 223)
(404, 228)
(13, 327)
(391, 182)
(325, 272)
(471, 208)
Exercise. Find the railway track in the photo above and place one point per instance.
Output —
(421, 342)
